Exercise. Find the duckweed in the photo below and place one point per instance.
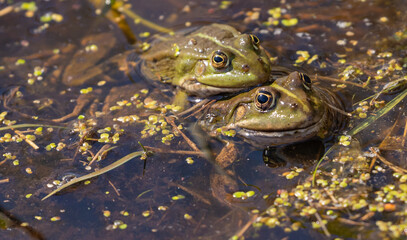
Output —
(86, 90)
(189, 160)
(20, 62)
(55, 219)
(146, 213)
(122, 226)
(344, 140)
(106, 213)
(124, 213)
(302, 56)
(144, 34)
(162, 208)
(28, 170)
(178, 197)
(289, 22)
(243, 195)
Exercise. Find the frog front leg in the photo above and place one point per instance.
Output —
(181, 99)
(223, 181)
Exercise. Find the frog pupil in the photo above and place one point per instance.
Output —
(218, 59)
(306, 79)
(255, 39)
(262, 98)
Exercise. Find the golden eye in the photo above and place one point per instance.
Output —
(219, 60)
(306, 81)
(264, 100)
(255, 41)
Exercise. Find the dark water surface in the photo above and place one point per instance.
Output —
(358, 195)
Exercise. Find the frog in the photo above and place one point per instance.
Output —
(211, 60)
(288, 111)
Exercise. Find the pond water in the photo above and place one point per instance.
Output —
(71, 70)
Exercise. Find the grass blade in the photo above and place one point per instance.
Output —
(101, 171)
(27, 125)
(390, 105)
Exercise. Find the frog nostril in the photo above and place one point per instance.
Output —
(245, 68)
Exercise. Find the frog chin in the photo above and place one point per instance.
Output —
(275, 138)
(193, 87)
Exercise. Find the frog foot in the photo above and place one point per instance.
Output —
(223, 186)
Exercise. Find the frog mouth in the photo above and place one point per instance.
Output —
(201, 90)
(274, 138)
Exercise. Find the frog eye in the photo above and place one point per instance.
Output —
(306, 81)
(219, 60)
(264, 100)
(255, 40)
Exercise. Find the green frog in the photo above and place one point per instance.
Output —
(288, 111)
(209, 60)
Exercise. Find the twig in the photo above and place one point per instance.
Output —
(339, 81)
(115, 189)
(164, 215)
(199, 111)
(320, 220)
(190, 143)
(389, 132)
(129, 13)
(313, 27)
(403, 141)
(6, 10)
(348, 221)
(7, 99)
(331, 196)
(193, 108)
(6, 180)
(99, 153)
(389, 164)
(28, 141)
(367, 216)
(372, 163)
(364, 69)
(193, 193)
(159, 150)
(199, 223)
(91, 153)
(249, 223)
(223, 217)
(339, 110)
(81, 103)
